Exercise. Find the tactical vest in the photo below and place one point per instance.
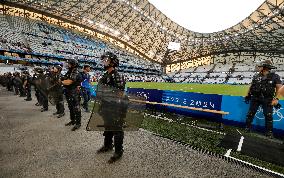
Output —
(29, 80)
(263, 87)
(75, 76)
(110, 79)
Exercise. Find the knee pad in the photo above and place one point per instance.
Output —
(77, 108)
(268, 115)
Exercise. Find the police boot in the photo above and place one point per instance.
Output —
(70, 123)
(116, 156)
(55, 113)
(28, 99)
(248, 124)
(43, 109)
(77, 126)
(60, 115)
(248, 129)
(104, 149)
(269, 134)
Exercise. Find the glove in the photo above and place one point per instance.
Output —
(247, 99)
(63, 78)
(277, 106)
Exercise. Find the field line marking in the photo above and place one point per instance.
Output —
(227, 154)
(262, 168)
(236, 159)
(239, 132)
(240, 143)
(170, 120)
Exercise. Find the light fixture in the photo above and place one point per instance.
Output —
(116, 32)
(127, 37)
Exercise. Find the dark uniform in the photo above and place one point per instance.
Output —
(56, 92)
(17, 82)
(21, 88)
(27, 81)
(40, 81)
(261, 93)
(2, 80)
(114, 80)
(72, 94)
(43, 92)
(10, 82)
(37, 75)
(85, 90)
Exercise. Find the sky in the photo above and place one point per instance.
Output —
(207, 16)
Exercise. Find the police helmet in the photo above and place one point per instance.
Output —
(112, 57)
(38, 70)
(26, 72)
(73, 62)
(58, 67)
(16, 73)
(267, 64)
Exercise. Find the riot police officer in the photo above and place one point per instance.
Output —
(9, 81)
(44, 77)
(56, 90)
(21, 88)
(17, 82)
(2, 79)
(38, 75)
(27, 85)
(113, 79)
(71, 82)
(85, 87)
(263, 92)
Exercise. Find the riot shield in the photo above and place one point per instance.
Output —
(55, 92)
(17, 81)
(114, 110)
(42, 84)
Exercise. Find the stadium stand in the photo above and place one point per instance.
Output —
(229, 69)
(50, 44)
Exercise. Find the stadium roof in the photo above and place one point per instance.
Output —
(194, 15)
(144, 27)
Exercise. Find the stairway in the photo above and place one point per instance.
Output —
(9, 20)
(213, 68)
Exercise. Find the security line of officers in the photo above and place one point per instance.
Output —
(50, 87)
(264, 91)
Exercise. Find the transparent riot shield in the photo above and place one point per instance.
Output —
(54, 91)
(43, 85)
(114, 110)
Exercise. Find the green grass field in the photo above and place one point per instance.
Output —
(198, 138)
(222, 89)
